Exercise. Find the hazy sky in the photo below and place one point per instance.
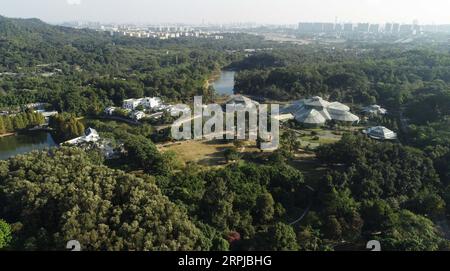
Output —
(225, 11)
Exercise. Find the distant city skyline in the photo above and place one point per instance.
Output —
(230, 11)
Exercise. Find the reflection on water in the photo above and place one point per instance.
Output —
(224, 85)
(23, 143)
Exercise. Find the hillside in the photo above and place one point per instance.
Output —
(27, 42)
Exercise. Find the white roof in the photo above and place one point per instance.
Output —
(90, 135)
(338, 106)
(302, 110)
(380, 132)
(316, 101)
(153, 99)
(325, 114)
(49, 114)
(283, 117)
(343, 116)
(132, 100)
(294, 107)
(311, 116)
(178, 108)
(374, 109)
(240, 99)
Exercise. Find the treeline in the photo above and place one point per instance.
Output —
(246, 204)
(139, 152)
(395, 190)
(429, 103)
(368, 75)
(19, 121)
(373, 190)
(54, 196)
(180, 75)
(66, 126)
(93, 70)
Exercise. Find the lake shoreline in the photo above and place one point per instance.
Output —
(214, 76)
(8, 134)
(222, 82)
(24, 142)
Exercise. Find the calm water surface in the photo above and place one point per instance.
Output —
(24, 143)
(224, 85)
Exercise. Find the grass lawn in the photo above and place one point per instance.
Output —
(203, 152)
(314, 137)
(207, 153)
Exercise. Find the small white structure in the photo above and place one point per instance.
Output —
(110, 110)
(93, 138)
(151, 103)
(137, 115)
(317, 111)
(177, 109)
(90, 135)
(147, 103)
(35, 105)
(48, 114)
(107, 149)
(381, 133)
(374, 110)
(241, 101)
(285, 117)
(131, 104)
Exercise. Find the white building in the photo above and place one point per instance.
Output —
(317, 111)
(35, 105)
(147, 103)
(240, 101)
(48, 114)
(90, 135)
(374, 110)
(137, 115)
(110, 110)
(177, 109)
(131, 104)
(151, 103)
(381, 133)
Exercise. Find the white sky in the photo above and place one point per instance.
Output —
(226, 11)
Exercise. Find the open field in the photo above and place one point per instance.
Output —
(207, 153)
(314, 137)
(204, 152)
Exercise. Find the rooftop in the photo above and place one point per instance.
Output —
(317, 111)
(380, 132)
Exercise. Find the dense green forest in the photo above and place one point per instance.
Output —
(91, 70)
(20, 121)
(395, 192)
(387, 75)
(60, 195)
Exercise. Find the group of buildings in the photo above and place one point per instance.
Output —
(162, 33)
(146, 103)
(313, 111)
(42, 109)
(140, 108)
(316, 111)
(166, 35)
(388, 28)
(91, 139)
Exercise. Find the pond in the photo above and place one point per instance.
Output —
(24, 143)
(224, 85)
